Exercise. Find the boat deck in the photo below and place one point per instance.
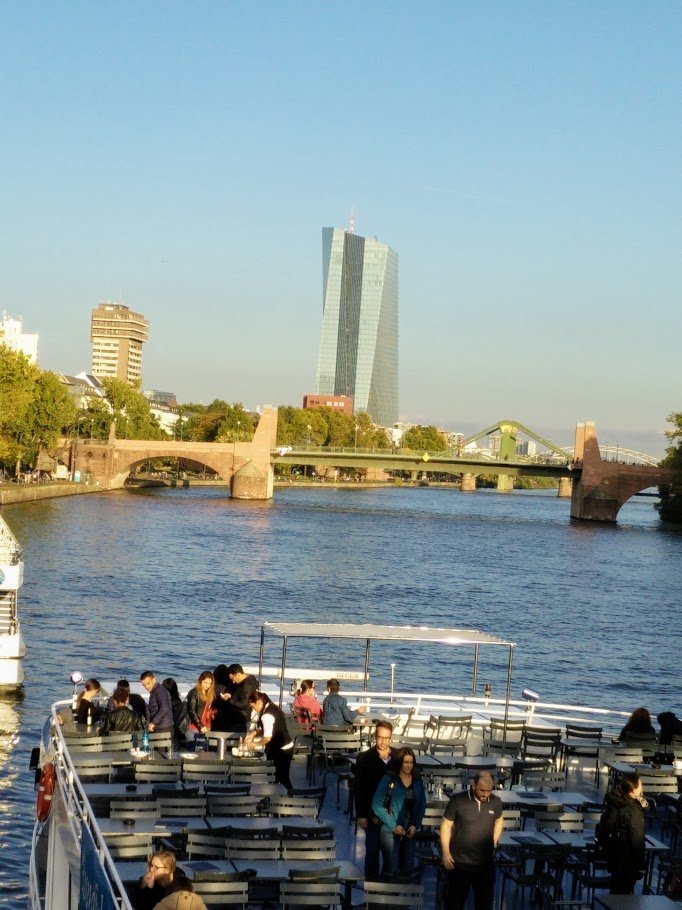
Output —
(581, 793)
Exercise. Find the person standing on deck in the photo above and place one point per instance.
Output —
(370, 768)
(244, 687)
(469, 831)
(160, 707)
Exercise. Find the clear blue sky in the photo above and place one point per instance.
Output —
(522, 159)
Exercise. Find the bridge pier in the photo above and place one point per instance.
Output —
(250, 482)
(505, 483)
(468, 484)
(565, 488)
(603, 486)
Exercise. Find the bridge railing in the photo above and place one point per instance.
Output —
(450, 454)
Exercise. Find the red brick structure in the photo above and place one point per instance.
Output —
(246, 465)
(340, 403)
(604, 486)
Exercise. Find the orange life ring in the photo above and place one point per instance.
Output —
(48, 780)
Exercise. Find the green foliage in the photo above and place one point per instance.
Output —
(216, 422)
(300, 427)
(35, 409)
(424, 439)
(670, 507)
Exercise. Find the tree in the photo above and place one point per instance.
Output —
(35, 409)
(670, 507)
(424, 439)
(131, 410)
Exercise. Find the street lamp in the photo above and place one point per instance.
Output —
(309, 432)
(356, 437)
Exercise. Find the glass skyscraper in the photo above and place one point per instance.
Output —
(359, 344)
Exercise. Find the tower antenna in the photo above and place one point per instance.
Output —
(351, 221)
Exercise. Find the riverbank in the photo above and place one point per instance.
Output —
(12, 493)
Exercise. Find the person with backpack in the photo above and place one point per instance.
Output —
(620, 833)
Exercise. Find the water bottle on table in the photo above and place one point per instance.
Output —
(145, 742)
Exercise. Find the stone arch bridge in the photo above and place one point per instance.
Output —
(247, 466)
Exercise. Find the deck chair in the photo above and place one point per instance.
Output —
(213, 772)
(393, 894)
(559, 821)
(154, 772)
(94, 769)
(295, 893)
(130, 846)
(134, 808)
(229, 804)
(313, 793)
(205, 845)
(300, 850)
(589, 749)
(178, 806)
(220, 892)
(293, 805)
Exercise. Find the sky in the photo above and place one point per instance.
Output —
(522, 159)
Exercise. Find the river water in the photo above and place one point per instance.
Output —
(180, 580)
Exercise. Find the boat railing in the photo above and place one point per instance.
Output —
(483, 708)
(78, 808)
(10, 549)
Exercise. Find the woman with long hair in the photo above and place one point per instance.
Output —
(273, 734)
(639, 726)
(180, 712)
(165, 885)
(399, 804)
(84, 706)
(621, 833)
(306, 706)
(200, 703)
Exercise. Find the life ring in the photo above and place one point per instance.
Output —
(48, 780)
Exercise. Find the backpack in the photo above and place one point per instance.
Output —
(607, 832)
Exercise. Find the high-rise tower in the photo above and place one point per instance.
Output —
(359, 344)
(117, 336)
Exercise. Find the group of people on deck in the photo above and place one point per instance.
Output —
(390, 795)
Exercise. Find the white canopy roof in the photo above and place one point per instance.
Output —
(373, 632)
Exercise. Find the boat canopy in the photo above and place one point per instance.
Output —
(369, 632)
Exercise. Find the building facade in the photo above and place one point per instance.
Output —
(117, 335)
(13, 336)
(342, 404)
(358, 355)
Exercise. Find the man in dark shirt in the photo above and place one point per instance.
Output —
(469, 832)
(244, 687)
(160, 707)
(370, 767)
(135, 702)
(122, 719)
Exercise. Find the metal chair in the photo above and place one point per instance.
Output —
(293, 805)
(162, 741)
(450, 735)
(297, 893)
(542, 744)
(153, 772)
(258, 772)
(134, 808)
(252, 849)
(94, 769)
(559, 821)
(130, 846)
(590, 748)
(228, 804)
(313, 793)
(221, 892)
(297, 849)
(214, 772)
(205, 844)
(174, 806)
(393, 894)
(503, 739)
(319, 832)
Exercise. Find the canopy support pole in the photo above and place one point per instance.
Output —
(260, 656)
(474, 680)
(366, 664)
(508, 696)
(281, 675)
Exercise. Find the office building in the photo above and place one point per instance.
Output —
(358, 354)
(339, 403)
(13, 336)
(117, 335)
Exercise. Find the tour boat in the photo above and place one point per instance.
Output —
(75, 860)
(12, 648)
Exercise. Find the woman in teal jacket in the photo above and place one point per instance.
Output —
(399, 805)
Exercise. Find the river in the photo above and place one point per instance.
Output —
(180, 580)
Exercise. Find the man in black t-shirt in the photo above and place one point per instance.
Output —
(469, 832)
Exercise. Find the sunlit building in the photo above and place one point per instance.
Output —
(358, 355)
(117, 335)
(13, 336)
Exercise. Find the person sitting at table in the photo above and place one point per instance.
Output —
(122, 719)
(670, 725)
(165, 886)
(200, 703)
(306, 706)
(639, 726)
(335, 710)
(85, 709)
(399, 803)
(274, 735)
(135, 702)
(621, 831)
